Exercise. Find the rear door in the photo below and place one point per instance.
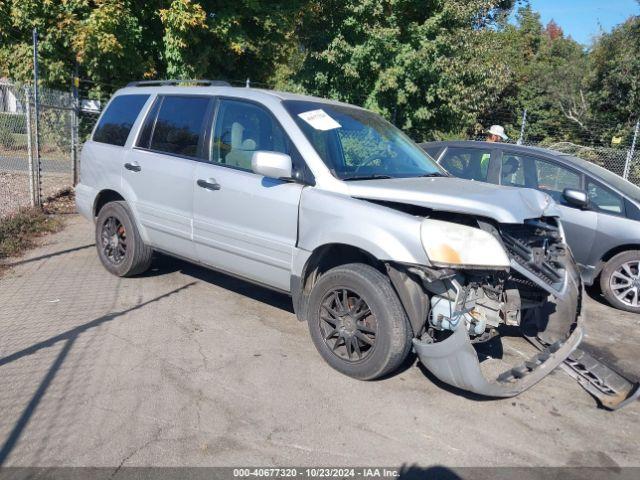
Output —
(471, 163)
(158, 171)
(244, 223)
(550, 177)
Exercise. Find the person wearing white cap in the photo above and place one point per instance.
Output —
(494, 134)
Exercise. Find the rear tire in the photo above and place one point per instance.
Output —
(120, 247)
(357, 322)
(620, 281)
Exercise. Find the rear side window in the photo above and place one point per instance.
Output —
(117, 120)
(178, 127)
(432, 151)
(469, 163)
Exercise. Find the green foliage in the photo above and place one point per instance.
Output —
(614, 78)
(438, 69)
(13, 123)
(426, 66)
(116, 41)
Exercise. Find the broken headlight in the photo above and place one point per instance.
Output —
(454, 245)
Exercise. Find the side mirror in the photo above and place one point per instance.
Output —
(575, 198)
(271, 164)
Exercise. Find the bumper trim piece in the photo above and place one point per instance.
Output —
(610, 389)
(455, 361)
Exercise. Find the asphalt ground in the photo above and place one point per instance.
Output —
(188, 367)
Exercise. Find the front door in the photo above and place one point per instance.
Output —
(159, 170)
(244, 223)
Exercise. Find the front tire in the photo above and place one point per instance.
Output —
(620, 281)
(357, 322)
(120, 248)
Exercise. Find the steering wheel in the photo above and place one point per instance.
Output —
(368, 162)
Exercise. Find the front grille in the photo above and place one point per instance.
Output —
(537, 246)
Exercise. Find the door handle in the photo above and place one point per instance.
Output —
(209, 185)
(134, 167)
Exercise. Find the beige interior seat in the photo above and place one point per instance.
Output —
(241, 148)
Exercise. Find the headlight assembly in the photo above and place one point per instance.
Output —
(454, 245)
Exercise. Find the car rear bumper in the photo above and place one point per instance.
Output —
(85, 198)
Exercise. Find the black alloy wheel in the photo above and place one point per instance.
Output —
(114, 240)
(348, 327)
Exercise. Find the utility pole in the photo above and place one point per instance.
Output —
(27, 103)
(75, 116)
(36, 120)
(630, 153)
(524, 123)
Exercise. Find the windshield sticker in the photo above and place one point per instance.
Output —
(319, 119)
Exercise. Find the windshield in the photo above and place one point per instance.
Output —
(357, 145)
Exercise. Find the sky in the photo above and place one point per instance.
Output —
(584, 19)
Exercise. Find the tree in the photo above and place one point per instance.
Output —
(546, 75)
(116, 41)
(614, 79)
(553, 30)
(428, 66)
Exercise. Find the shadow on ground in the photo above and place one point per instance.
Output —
(67, 339)
(164, 264)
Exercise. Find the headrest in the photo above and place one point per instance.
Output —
(236, 135)
(249, 144)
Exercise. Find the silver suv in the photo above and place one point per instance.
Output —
(380, 250)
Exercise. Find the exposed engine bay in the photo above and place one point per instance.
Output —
(541, 293)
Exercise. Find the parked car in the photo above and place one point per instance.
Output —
(379, 248)
(600, 211)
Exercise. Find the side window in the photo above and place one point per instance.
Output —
(512, 171)
(116, 122)
(532, 172)
(554, 178)
(604, 199)
(433, 151)
(242, 128)
(469, 163)
(179, 125)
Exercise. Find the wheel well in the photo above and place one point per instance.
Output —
(615, 251)
(104, 197)
(332, 255)
(609, 255)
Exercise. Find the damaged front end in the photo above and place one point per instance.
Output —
(538, 290)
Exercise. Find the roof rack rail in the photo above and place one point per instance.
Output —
(150, 83)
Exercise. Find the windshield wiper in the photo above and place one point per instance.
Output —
(435, 174)
(374, 176)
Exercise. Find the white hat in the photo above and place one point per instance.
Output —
(499, 131)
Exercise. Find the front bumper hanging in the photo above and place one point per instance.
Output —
(455, 361)
(556, 329)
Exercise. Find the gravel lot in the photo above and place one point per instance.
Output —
(184, 366)
(14, 189)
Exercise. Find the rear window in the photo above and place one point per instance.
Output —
(116, 122)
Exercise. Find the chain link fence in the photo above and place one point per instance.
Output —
(17, 178)
(37, 159)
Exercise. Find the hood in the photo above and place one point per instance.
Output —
(449, 194)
